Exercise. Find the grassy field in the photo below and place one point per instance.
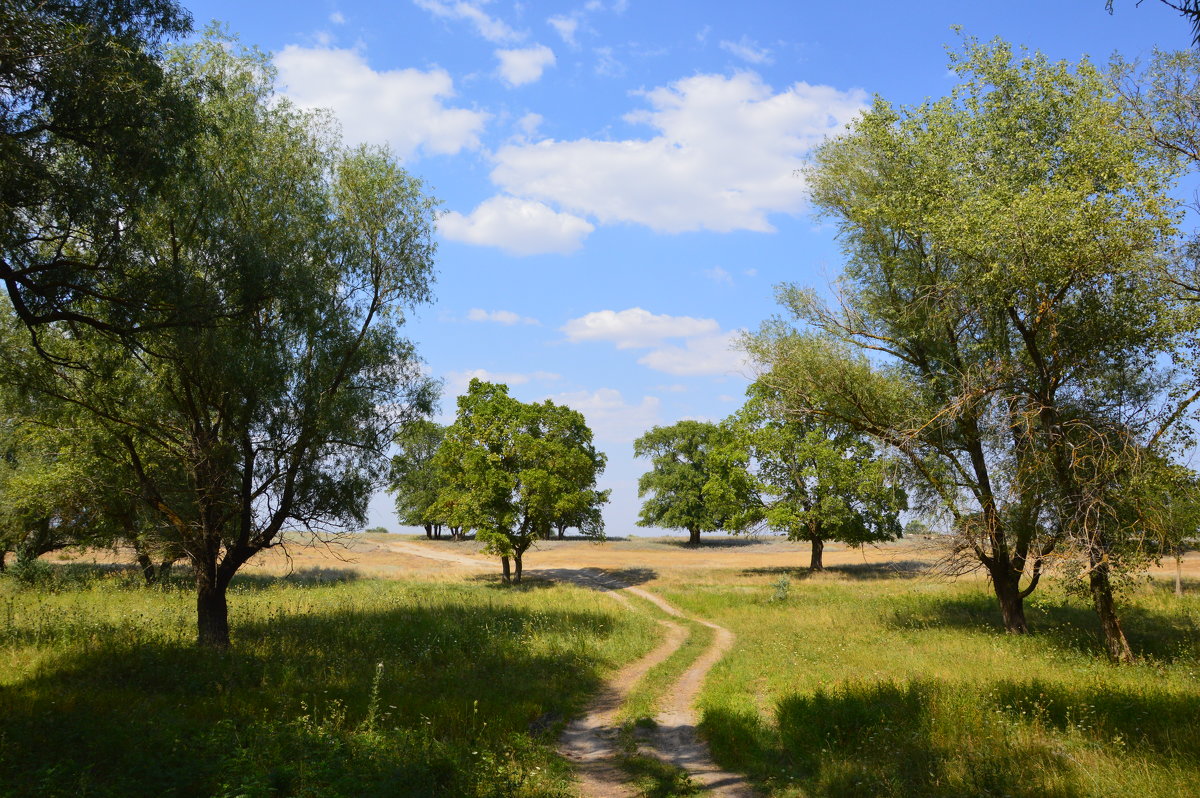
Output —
(356, 687)
(869, 680)
(867, 683)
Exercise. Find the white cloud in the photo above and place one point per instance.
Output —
(635, 327)
(702, 34)
(611, 418)
(566, 28)
(337, 18)
(607, 64)
(519, 67)
(723, 158)
(719, 276)
(488, 27)
(404, 107)
(748, 50)
(457, 381)
(506, 317)
(750, 272)
(708, 355)
(517, 226)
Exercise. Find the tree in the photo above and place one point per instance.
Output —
(1188, 9)
(415, 481)
(512, 469)
(1002, 268)
(299, 255)
(692, 484)
(816, 481)
(91, 129)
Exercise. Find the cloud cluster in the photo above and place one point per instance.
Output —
(506, 317)
(517, 226)
(518, 67)
(703, 351)
(405, 108)
(723, 158)
(487, 26)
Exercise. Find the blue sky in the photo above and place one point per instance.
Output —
(617, 176)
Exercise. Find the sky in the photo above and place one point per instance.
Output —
(618, 178)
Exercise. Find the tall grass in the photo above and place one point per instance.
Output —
(332, 687)
(864, 686)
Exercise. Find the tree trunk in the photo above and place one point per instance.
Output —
(164, 570)
(1007, 586)
(693, 536)
(562, 531)
(147, 565)
(816, 563)
(212, 614)
(504, 568)
(429, 531)
(1102, 599)
(1178, 571)
(3, 557)
(517, 575)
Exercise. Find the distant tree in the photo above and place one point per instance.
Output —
(415, 481)
(917, 528)
(511, 468)
(692, 484)
(815, 480)
(584, 513)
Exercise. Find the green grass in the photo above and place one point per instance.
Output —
(908, 687)
(332, 687)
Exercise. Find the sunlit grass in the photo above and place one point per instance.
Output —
(332, 688)
(904, 687)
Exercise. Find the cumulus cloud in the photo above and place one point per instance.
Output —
(518, 67)
(702, 356)
(487, 26)
(405, 108)
(723, 158)
(529, 123)
(517, 226)
(748, 50)
(610, 416)
(457, 381)
(506, 317)
(635, 328)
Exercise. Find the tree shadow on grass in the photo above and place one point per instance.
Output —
(897, 569)
(1067, 625)
(453, 688)
(716, 543)
(931, 739)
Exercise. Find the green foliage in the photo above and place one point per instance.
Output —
(277, 387)
(415, 482)
(513, 469)
(1003, 269)
(91, 128)
(815, 480)
(696, 481)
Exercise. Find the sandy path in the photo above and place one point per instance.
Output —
(590, 741)
(432, 554)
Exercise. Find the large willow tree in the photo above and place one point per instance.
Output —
(1000, 318)
(278, 390)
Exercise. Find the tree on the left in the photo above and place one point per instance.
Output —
(92, 130)
(270, 398)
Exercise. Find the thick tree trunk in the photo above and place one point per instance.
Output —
(1178, 572)
(212, 614)
(1106, 609)
(817, 563)
(429, 531)
(164, 570)
(147, 565)
(1006, 584)
(517, 574)
(504, 569)
(3, 557)
(693, 537)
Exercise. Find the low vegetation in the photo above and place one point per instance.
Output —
(335, 687)
(873, 684)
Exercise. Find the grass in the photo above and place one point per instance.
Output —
(335, 686)
(895, 686)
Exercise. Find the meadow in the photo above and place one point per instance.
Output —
(866, 680)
